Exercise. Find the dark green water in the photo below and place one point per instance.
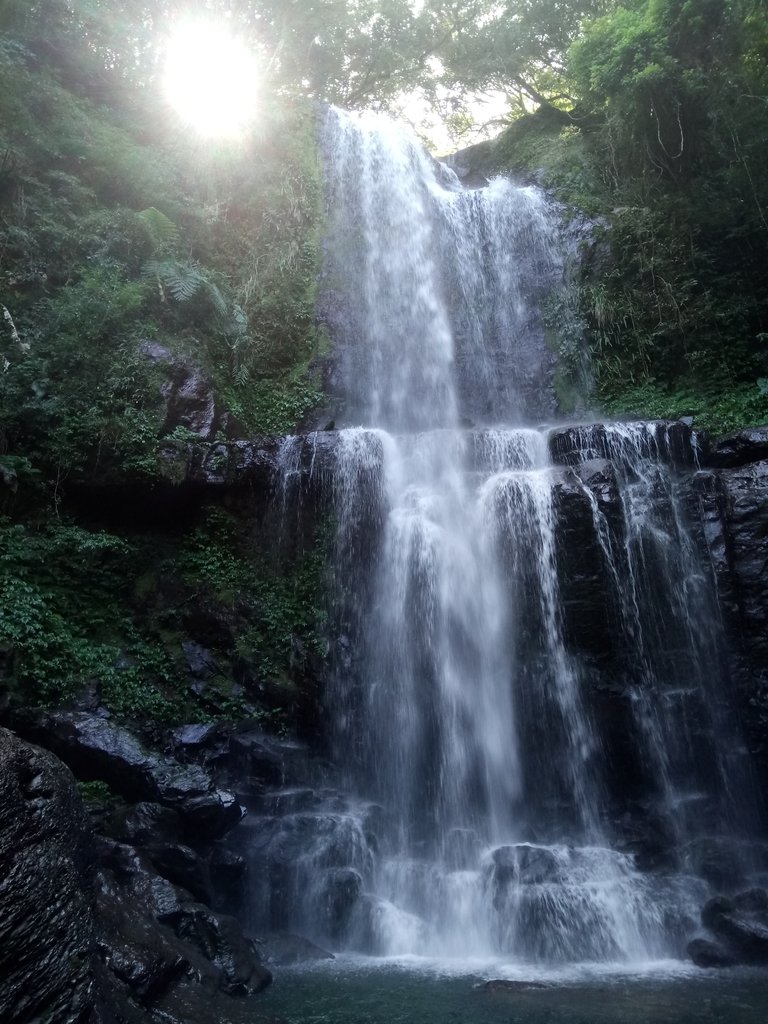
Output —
(360, 992)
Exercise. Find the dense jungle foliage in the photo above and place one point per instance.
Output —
(130, 248)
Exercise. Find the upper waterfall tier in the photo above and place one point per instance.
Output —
(432, 293)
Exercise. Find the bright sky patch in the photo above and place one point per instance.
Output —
(211, 79)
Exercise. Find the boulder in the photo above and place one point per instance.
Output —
(717, 859)
(144, 822)
(505, 986)
(184, 867)
(153, 932)
(220, 939)
(526, 864)
(739, 448)
(342, 890)
(97, 749)
(706, 953)
(187, 393)
(672, 442)
(46, 922)
(741, 924)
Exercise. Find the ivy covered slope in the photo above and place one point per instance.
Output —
(155, 291)
(663, 139)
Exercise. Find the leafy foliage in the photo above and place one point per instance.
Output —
(116, 228)
(663, 146)
(63, 625)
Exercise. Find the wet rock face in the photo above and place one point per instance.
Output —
(97, 929)
(96, 749)
(153, 934)
(46, 922)
(588, 606)
(190, 401)
(734, 502)
(705, 953)
(740, 925)
(671, 442)
(526, 864)
(746, 493)
(739, 448)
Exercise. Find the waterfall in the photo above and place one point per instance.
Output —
(527, 698)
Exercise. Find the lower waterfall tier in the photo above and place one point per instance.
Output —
(535, 739)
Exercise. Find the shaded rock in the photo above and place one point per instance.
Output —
(741, 558)
(671, 442)
(220, 938)
(211, 815)
(200, 662)
(132, 871)
(287, 800)
(97, 749)
(510, 987)
(744, 932)
(190, 402)
(142, 823)
(716, 859)
(649, 836)
(590, 622)
(343, 889)
(739, 448)
(310, 460)
(46, 922)
(192, 739)
(599, 477)
(182, 866)
(152, 933)
(8, 479)
(526, 864)
(752, 901)
(227, 872)
(271, 760)
(187, 392)
(134, 907)
(706, 953)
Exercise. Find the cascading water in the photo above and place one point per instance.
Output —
(527, 640)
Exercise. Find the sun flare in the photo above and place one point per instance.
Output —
(210, 79)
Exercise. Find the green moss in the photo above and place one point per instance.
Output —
(95, 792)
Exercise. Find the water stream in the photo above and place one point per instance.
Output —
(528, 701)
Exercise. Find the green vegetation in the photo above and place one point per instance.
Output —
(86, 608)
(120, 235)
(663, 141)
(116, 228)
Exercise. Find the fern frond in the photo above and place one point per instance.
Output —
(217, 299)
(183, 280)
(163, 233)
